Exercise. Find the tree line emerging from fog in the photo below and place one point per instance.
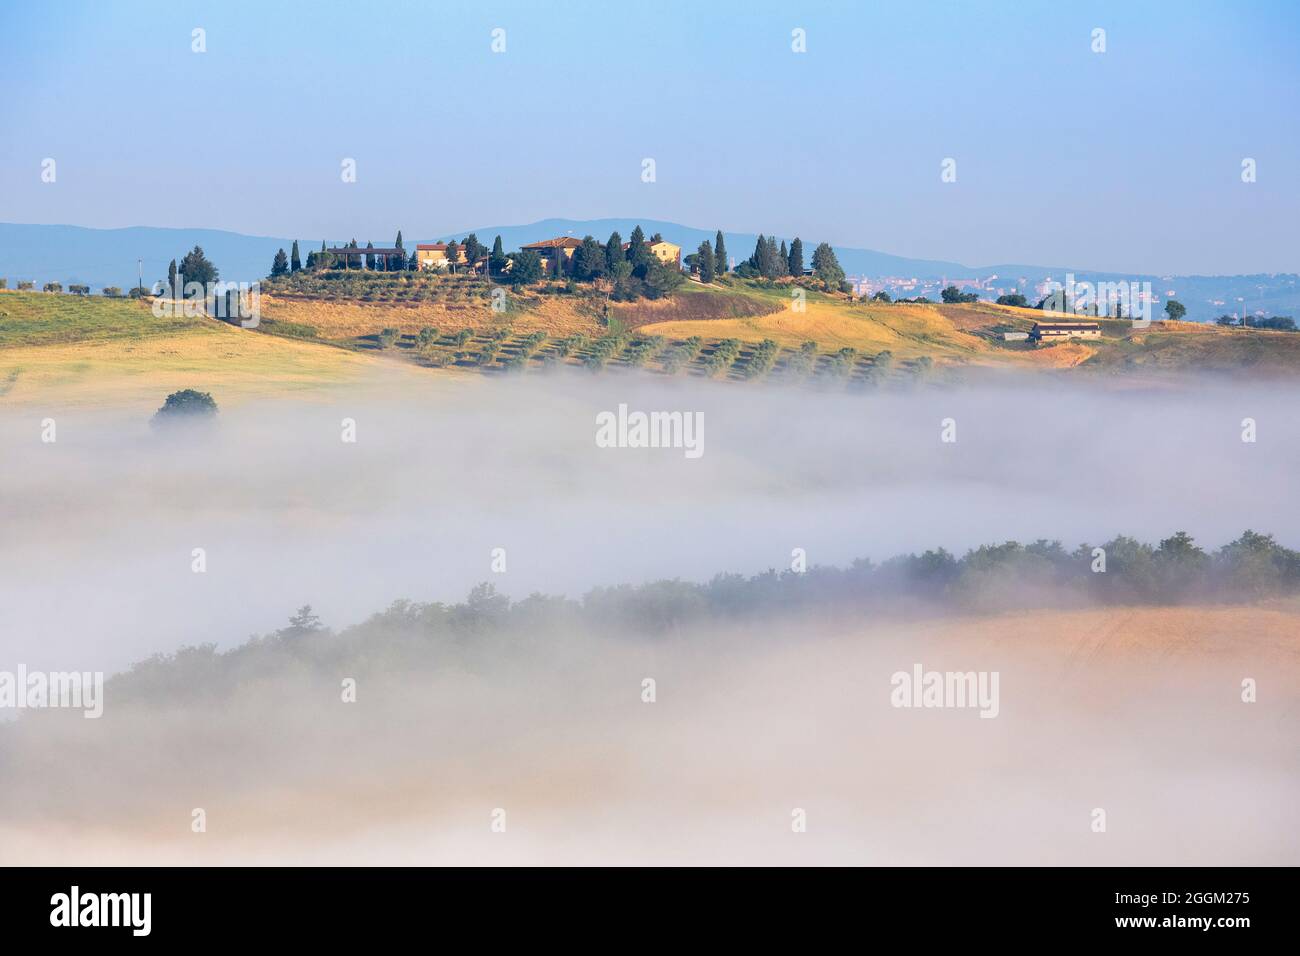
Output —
(987, 579)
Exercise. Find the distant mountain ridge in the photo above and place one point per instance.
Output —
(103, 257)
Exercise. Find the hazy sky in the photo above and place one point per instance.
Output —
(1127, 160)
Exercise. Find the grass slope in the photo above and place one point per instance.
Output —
(86, 351)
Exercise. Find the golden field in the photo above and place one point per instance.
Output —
(84, 350)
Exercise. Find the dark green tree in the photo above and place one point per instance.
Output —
(497, 261)
(195, 267)
(280, 264)
(613, 252)
(719, 255)
(1175, 310)
(826, 267)
(295, 262)
(638, 253)
(186, 405)
(795, 259)
(527, 267)
(589, 259)
(705, 262)
(474, 249)
(453, 253)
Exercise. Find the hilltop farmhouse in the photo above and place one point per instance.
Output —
(549, 250)
(669, 253)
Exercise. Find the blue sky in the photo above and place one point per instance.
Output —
(1129, 160)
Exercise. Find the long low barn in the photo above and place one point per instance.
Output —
(1064, 330)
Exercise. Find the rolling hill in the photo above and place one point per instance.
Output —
(103, 257)
(86, 350)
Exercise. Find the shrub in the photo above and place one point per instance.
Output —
(721, 357)
(52, 287)
(387, 337)
(112, 292)
(574, 343)
(25, 285)
(682, 355)
(761, 359)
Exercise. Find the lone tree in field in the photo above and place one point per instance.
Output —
(1175, 310)
(719, 255)
(280, 264)
(295, 263)
(187, 405)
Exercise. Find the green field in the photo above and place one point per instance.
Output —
(51, 318)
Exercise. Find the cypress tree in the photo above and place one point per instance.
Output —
(171, 278)
(295, 263)
(473, 248)
(497, 260)
(398, 243)
(719, 255)
(767, 258)
(705, 261)
(280, 265)
(796, 257)
(613, 251)
(635, 245)
(783, 260)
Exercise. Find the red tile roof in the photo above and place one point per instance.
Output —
(559, 242)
